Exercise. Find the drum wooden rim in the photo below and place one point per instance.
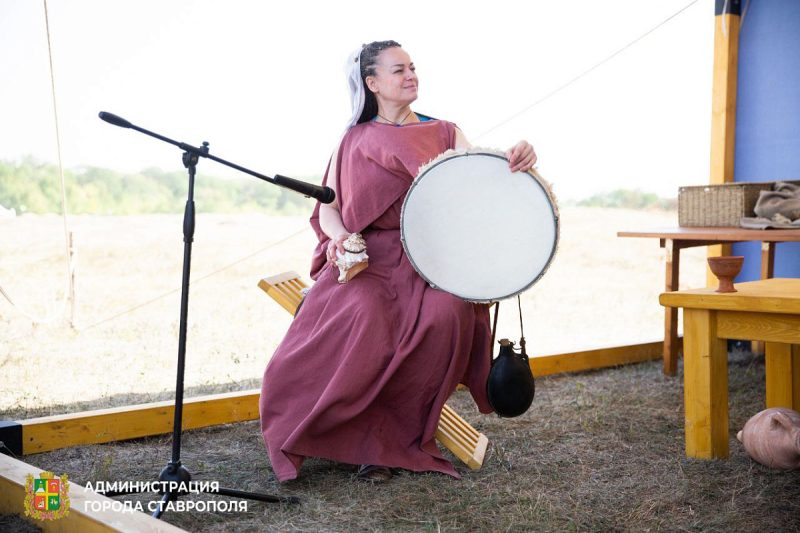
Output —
(537, 179)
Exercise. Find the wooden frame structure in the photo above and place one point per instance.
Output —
(727, 22)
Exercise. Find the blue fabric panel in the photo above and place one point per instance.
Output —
(768, 113)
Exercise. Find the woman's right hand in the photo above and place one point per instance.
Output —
(336, 244)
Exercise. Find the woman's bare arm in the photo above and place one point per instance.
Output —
(330, 218)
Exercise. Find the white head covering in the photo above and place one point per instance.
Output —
(352, 70)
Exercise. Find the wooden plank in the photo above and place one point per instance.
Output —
(546, 365)
(458, 427)
(776, 295)
(780, 375)
(670, 352)
(135, 421)
(285, 288)
(279, 296)
(767, 260)
(130, 422)
(723, 97)
(458, 436)
(282, 277)
(723, 111)
(296, 284)
(767, 271)
(705, 363)
(108, 425)
(81, 517)
(721, 234)
(758, 326)
(796, 377)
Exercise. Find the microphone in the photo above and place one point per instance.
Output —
(111, 118)
(324, 195)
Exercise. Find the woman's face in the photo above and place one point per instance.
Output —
(394, 81)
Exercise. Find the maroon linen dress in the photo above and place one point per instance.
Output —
(365, 368)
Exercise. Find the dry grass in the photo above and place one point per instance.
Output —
(606, 285)
(597, 451)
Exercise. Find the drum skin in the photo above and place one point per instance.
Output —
(473, 228)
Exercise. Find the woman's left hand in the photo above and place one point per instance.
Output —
(521, 157)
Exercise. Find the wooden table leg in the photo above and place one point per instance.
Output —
(783, 375)
(705, 366)
(796, 377)
(673, 254)
(767, 260)
(767, 271)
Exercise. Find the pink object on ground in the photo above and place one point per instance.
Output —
(772, 437)
(365, 368)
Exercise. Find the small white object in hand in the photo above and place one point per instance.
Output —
(354, 259)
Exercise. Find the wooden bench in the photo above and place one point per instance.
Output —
(455, 433)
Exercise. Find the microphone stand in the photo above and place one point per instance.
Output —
(175, 476)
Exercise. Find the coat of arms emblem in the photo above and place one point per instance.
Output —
(46, 497)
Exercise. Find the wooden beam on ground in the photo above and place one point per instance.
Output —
(81, 516)
(723, 103)
(597, 358)
(135, 421)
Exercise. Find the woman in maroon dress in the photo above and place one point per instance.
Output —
(364, 370)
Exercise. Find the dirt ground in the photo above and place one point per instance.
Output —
(598, 451)
(600, 291)
(601, 450)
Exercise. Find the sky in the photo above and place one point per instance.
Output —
(263, 82)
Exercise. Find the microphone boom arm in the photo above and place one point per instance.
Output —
(324, 195)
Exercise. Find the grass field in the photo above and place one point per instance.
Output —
(600, 291)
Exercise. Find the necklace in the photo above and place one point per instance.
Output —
(392, 122)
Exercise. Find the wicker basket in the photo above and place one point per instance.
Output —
(718, 205)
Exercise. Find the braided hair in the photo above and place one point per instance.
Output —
(369, 60)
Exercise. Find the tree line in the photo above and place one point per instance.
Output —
(629, 199)
(30, 186)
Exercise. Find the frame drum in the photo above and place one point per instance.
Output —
(474, 229)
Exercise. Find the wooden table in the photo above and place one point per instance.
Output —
(765, 310)
(676, 239)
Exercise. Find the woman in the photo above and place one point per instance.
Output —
(365, 368)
